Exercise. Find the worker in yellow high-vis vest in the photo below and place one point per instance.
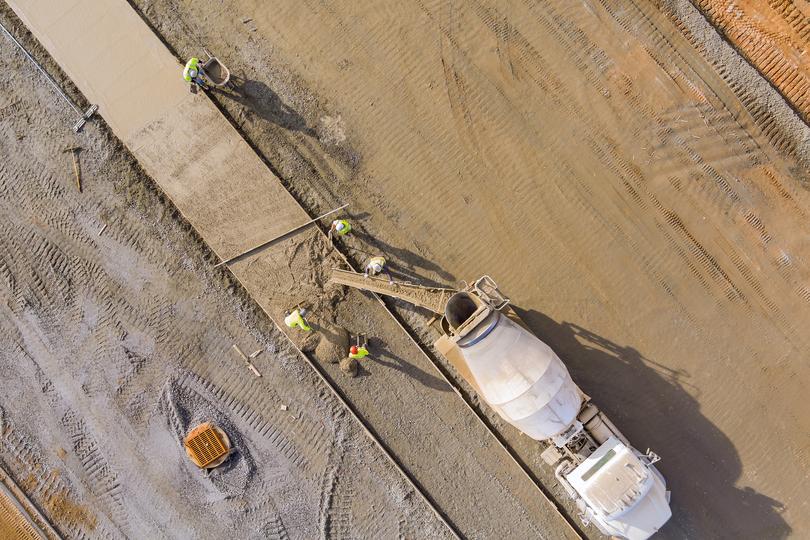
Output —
(358, 352)
(351, 364)
(193, 72)
(376, 266)
(340, 227)
(296, 319)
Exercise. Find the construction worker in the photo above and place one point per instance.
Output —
(375, 266)
(193, 73)
(339, 227)
(358, 352)
(351, 364)
(296, 319)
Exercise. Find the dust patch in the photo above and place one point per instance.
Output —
(61, 507)
(331, 130)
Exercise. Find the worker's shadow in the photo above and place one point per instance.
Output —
(651, 405)
(380, 354)
(402, 264)
(265, 103)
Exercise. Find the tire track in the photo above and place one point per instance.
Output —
(336, 519)
(301, 441)
(68, 515)
(101, 477)
(773, 38)
(275, 530)
(136, 313)
(711, 168)
(760, 112)
(588, 48)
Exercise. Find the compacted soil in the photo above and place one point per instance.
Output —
(634, 185)
(629, 180)
(117, 339)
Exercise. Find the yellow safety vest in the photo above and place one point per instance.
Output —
(376, 260)
(346, 227)
(361, 352)
(296, 319)
(192, 64)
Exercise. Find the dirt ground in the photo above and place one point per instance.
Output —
(442, 446)
(115, 343)
(774, 37)
(635, 187)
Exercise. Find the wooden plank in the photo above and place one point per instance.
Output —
(432, 298)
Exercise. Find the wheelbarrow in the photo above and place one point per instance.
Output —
(216, 73)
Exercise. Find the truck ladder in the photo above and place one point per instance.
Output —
(431, 298)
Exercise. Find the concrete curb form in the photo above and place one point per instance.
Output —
(28, 511)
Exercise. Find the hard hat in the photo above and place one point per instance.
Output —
(192, 73)
(340, 226)
(376, 266)
(353, 350)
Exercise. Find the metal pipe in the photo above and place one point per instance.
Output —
(254, 248)
(564, 468)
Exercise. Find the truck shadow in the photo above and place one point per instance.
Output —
(265, 103)
(654, 407)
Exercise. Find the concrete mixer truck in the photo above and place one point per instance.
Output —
(615, 487)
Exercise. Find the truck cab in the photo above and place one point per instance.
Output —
(623, 494)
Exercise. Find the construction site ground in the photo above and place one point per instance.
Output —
(219, 184)
(115, 344)
(773, 36)
(635, 187)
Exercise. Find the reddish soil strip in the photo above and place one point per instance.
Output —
(773, 35)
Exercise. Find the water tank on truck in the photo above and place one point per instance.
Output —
(517, 374)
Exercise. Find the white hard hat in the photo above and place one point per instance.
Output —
(192, 72)
(340, 226)
(377, 267)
